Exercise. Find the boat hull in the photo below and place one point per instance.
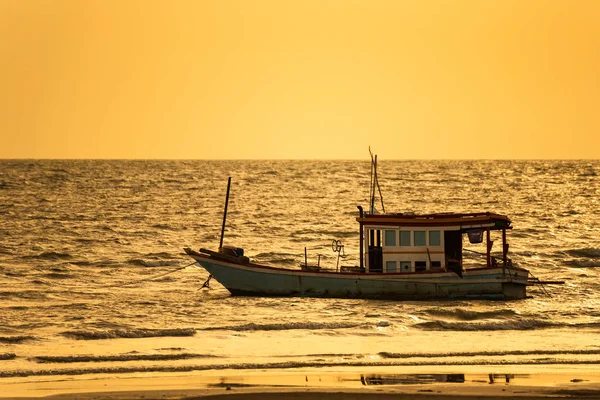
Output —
(253, 280)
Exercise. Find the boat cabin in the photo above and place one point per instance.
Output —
(406, 242)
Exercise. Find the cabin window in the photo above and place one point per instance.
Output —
(420, 238)
(420, 266)
(390, 266)
(404, 266)
(374, 238)
(436, 264)
(434, 238)
(390, 238)
(404, 238)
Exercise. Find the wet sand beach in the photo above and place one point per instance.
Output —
(314, 384)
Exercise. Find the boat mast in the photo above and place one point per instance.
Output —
(379, 187)
(371, 185)
(374, 185)
(225, 213)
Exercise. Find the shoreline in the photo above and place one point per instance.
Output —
(346, 384)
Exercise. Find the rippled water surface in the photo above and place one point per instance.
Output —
(93, 277)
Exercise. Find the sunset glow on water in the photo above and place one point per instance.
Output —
(95, 279)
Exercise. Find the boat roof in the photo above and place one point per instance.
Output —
(472, 220)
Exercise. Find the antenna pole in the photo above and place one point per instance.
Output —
(225, 213)
(379, 188)
(374, 185)
(371, 183)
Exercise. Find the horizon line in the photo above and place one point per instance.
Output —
(293, 159)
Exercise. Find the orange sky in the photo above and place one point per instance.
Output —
(300, 79)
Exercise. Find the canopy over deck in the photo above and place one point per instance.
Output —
(490, 220)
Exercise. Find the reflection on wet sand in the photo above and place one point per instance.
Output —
(506, 377)
(410, 379)
(418, 379)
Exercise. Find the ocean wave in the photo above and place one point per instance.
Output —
(162, 254)
(588, 257)
(284, 326)
(41, 217)
(5, 250)
(587, 252)
(87, 263)
(585, 263)
(166, 279)
(52, 255)
(15, 339)
(85, 240)
(288, 365)
(173, 180)
(25, 294)
(18, 308)
(588, 174)
(120, 357)
(76, 306)
(128, 333)
(166, 227)
(171, 349)
(57, 275)
(391, 355)
(15, 273)
(40, 282)
(144, 263)
(521, 325)
(469, 315)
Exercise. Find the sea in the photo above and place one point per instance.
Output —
(94, 280)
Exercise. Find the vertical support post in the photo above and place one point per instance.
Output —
(305, 258)
(489, 247)
(225, 213)
(372, 208)
(504, 248)
(361, 239)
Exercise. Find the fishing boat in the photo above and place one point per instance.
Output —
(402, 256)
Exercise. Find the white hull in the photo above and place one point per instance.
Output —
(246, 279)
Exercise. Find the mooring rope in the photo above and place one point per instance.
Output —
(150, 278)
(26, 281)
(539, 283)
